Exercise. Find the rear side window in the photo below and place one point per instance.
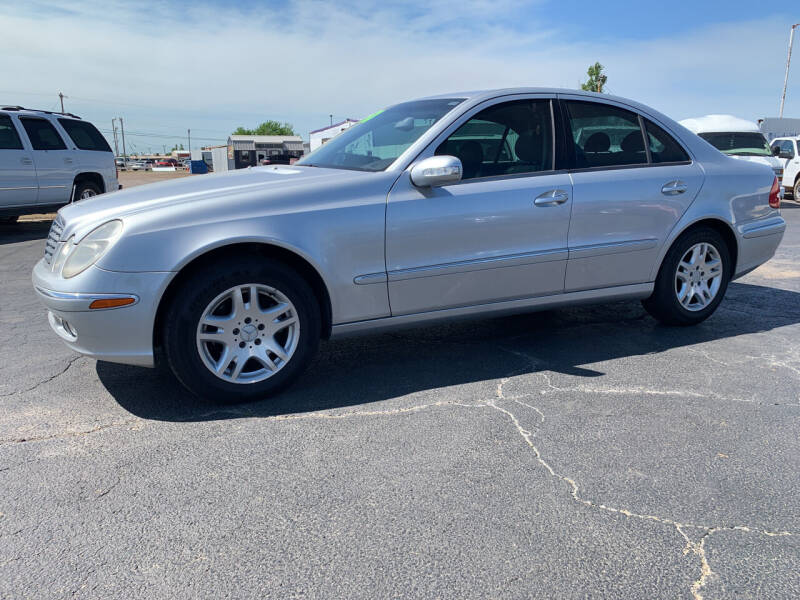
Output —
(504, 139)
(663, 147)
(85, 135)
(605, 136)
(9, 138)
(42, 134)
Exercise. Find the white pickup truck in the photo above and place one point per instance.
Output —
(736, 137)
(50, 159)
(787, 150)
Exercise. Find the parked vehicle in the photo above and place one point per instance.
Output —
(460, 205)
(787, 150)
(736, 137)
(50, 159)
(138, 165)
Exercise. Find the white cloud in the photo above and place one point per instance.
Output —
(217, 68)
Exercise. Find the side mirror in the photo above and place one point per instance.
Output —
(776, 151)
(436, 170)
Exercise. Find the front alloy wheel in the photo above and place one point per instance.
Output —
(240, 328)
(248, 333)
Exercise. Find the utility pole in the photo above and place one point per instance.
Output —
(788, 61)
(331, 116)
(189, 133)
(114, 130)
(61, 97)
(122, 130)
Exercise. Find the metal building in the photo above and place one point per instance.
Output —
(254, 150)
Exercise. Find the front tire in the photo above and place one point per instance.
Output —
(692, 279)
(241, 329)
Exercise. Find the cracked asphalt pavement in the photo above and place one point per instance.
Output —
(586, 452)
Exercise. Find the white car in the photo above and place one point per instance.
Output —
(736, 137)
(786, 150)
(50, 159)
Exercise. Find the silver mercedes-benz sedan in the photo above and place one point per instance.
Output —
(457, 205)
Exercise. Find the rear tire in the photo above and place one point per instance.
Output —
(281, 328)
(692, 279)
(86, 189)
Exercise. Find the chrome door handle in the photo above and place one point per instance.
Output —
(673, 188)
(551, 198)
(26, 161)
(68, 161)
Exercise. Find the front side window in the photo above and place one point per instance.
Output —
(85, 135)
(604, 135)
(9, 138)
(42, 134)
(739, 143)
(663, 147)
(379, 140)
(788, 146)
(504, 139)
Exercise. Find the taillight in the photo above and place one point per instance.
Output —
(775, 194)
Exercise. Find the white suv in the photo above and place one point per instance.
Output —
(50, 159)
(786, 149)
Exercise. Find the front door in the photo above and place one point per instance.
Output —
(627, 197)
(54, 163)
(498, 234)
(17, 173)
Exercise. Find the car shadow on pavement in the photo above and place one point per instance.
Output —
(362, 370)
(12, 233)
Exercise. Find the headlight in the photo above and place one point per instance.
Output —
(91, 248)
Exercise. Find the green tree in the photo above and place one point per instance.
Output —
(267, 128)
(176, 147)
(597, 79)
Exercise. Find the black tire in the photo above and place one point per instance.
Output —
(663, 304)
(201, 288)
(84, 187)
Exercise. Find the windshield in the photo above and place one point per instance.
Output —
(738, 142)
(378, 140)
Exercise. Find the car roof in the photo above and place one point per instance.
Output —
(21, 110)
(720, 124)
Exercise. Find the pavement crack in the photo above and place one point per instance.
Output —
(70, 362)
(67, 435)
(697, 548)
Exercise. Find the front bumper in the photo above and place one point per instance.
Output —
(123, 334)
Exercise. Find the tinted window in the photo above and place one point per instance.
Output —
(377, 141)
(508, 138)
(85, 135)
(663, 147)
(42, 134)
(741, 143)
(605, 135)
(9, 139)
(788, 146)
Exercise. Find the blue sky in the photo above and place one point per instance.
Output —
(213, 65)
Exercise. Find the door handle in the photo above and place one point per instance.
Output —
(673, 188)
(26, 161)
(68, 161)
(551, 198)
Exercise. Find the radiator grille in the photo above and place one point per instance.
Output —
(52, 239)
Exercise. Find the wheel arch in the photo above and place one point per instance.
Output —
(265, 249)
(92, 177)
(721, 226)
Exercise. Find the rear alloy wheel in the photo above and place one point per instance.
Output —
(692, 280)
(241, 330)
(86, 189)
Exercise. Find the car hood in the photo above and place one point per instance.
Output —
(83, 216)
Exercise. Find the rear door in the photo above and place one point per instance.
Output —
(627, 196)
(498, 234)
(55, 165)
(18, 185)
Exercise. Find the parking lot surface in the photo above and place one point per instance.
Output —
(576, 453)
